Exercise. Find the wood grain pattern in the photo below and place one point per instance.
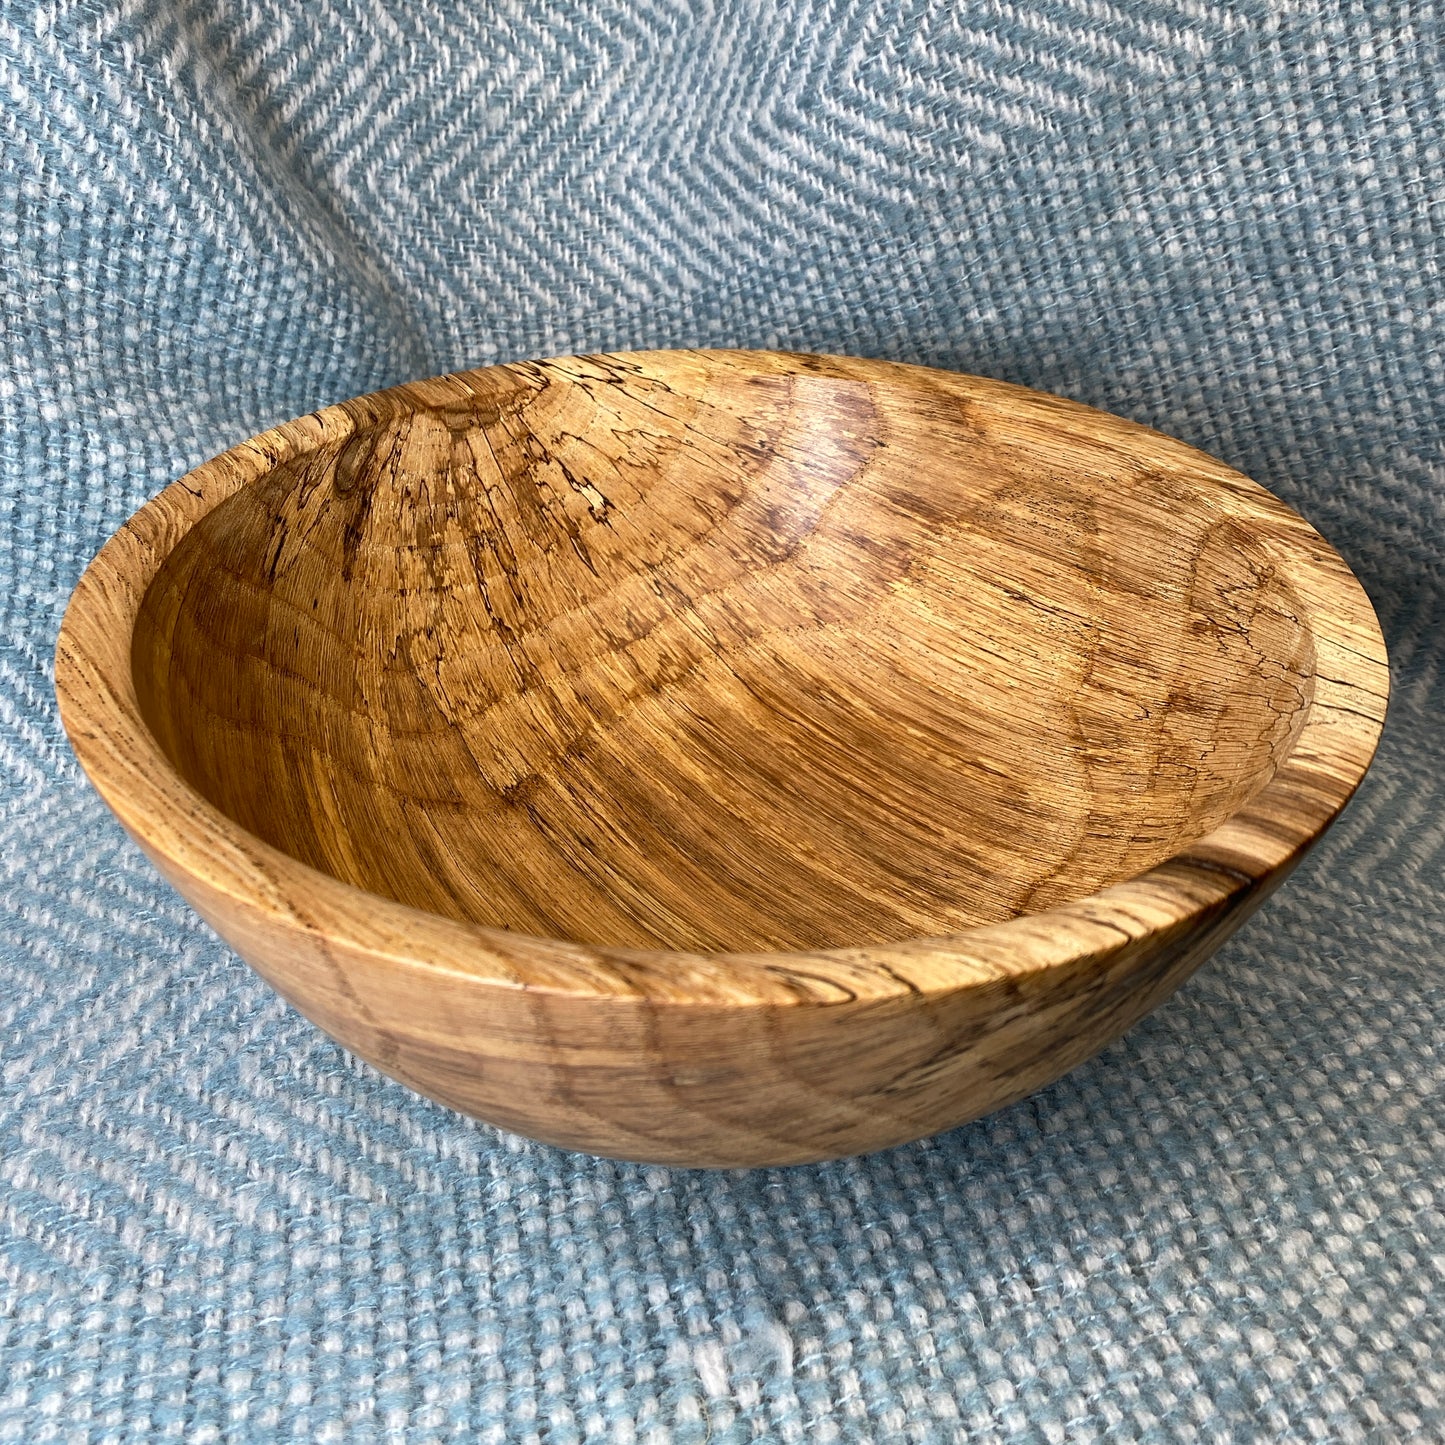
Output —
(721, 757)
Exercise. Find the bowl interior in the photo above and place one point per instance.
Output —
(702, 657)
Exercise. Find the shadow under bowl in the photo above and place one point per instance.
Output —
(721, 758)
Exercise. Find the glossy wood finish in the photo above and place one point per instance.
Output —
(721, 757)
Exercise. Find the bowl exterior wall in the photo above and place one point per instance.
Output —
(717, 1086)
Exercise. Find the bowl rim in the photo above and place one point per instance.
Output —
(190, 839)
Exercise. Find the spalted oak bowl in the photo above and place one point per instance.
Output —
(721, 758)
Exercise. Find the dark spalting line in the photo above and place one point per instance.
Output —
(1209, 865)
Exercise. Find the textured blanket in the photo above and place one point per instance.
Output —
(1223, 219)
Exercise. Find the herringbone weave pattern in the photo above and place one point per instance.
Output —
(1224, 219)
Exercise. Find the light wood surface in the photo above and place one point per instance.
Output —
(721, 757)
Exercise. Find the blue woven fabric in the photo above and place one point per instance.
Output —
(1221, 219)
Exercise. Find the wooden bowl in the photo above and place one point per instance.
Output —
(721, 758)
